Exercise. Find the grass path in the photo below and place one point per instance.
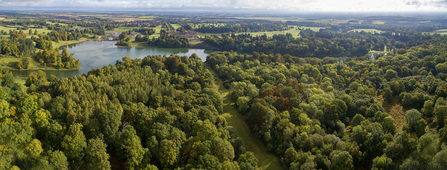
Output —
(266, 159)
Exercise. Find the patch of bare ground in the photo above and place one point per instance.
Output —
(395, 110)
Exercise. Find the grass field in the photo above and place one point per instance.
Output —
(175, 26)
(295, 33)
(20, 80)
(266, 160)
(122, 29)
(368, 30)
(10, 27)
(11, 62)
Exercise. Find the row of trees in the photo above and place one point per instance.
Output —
(17, 47)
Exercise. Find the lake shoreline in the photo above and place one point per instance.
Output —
(97, 54)
(76, 42)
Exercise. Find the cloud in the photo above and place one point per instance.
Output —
(242, 5)
(442, 3)
(21, 1)
(416, 3)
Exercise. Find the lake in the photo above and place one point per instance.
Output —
(96, 54)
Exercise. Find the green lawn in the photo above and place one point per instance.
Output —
(175, 26)
(20, 80)
(266, 160)
(8, 61)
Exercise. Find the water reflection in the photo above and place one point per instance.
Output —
(96, 54)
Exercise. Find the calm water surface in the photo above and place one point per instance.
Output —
(96, 54)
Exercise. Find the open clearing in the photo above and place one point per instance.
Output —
(20, 80)
(395, 110)
(266, 160)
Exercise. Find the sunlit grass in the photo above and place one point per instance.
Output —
(266, 160)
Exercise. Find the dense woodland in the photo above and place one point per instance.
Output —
(330, 113)
(317, 100)
(320, 44)
(130, 113)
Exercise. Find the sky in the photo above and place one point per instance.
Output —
(241, 5)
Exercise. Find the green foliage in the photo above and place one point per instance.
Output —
(440, 115)
(341, 160)
(382, 163)
(74, 142)
(428, 108)
(96, 156)
(388, 95)
(248, 161)
(412, 117)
